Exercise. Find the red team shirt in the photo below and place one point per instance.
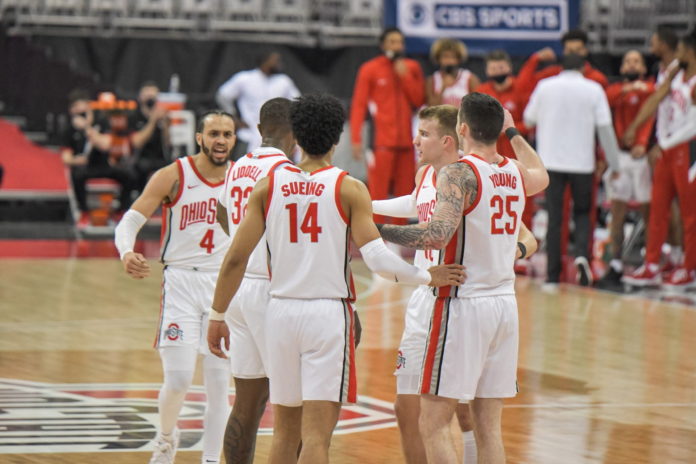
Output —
(624, 108)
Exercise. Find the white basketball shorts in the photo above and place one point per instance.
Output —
(246, 318)
(311, 351)
(634, 182)
(409, 360)
(185, 305)
(472, 348)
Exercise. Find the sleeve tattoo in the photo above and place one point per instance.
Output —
(457, 188)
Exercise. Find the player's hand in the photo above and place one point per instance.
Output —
(508, 122)
(546, 54)
(158, 113)
(638, 151)
(600, 169)
(357, 151)
(136, 265)
(629, 137)
(79, 122)
(217, 332)
(447, 274)
(358, 329)
(654, 154)
(400, 67)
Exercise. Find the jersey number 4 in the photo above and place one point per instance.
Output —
(500, 224)
(310, 224)
(207, 241)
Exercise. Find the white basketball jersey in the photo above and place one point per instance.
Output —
(486, 239)
(240, 181)
(426, 195)
(679, 100)
(453, 94)
(308, 234)
(664, 108)
(191, 236)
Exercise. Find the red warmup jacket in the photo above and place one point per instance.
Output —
(624, 109)
(588, 71)
(514, 99)
(394, 98)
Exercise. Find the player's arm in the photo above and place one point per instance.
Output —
(162, 186)
(141, 137)
(356, 201)
(234, 265)
(527, 242)
(400, 207)
(649, 107)
(686, 132)
(533, 171)
(457, 189)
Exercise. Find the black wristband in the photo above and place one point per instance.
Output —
(523, 249)
(510, 132)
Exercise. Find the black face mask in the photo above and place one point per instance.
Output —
(450, 69)
(683, 64)
(500, 78)
(394, 55)
(274, 70)
(633, 76)
(150, 103)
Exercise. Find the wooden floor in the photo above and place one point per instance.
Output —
(603, 378)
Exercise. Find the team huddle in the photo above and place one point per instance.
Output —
(257, 278)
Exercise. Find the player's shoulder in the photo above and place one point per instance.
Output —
(352, 187)
(421, 172)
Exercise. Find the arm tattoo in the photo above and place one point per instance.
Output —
(457, 188)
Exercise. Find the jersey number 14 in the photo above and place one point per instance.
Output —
(310, 223)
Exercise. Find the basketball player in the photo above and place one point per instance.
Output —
(309, 212)
(437, 145)
(247, 312)
(471, 353)
(193, 247)
(671, 174)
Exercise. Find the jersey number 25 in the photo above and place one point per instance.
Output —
(500, 224)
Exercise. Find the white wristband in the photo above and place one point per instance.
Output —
(216, 316)
(387, 264)
(127, 230)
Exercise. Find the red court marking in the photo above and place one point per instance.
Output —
(71, 249)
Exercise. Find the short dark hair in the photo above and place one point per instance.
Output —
(200, 127)
(274, 117)
(388, 31)
(689, 39)
(317, 122)
(667, 36)
(574, 34)
(77, 95)
(484, 115)
(498, 55)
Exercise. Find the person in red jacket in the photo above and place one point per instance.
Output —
(574, 42)
(633, 181)
(393, 87)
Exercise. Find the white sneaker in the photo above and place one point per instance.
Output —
(165, 448)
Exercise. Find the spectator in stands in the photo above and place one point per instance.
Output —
(574, 42)
(393, 87)
(244, 94)
(568, 109)
(451, 81)
(633, 182)
(93, 154)
(151, 134)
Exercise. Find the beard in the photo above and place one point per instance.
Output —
(208, 152)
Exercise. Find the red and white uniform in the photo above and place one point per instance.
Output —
(670, 176)
(453, 94)
(311, 355)
(247, 312)
(193, 246)
(472, 344)
(410, 357)
(663, 110)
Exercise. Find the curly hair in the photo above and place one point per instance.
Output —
(317, 122)
(441, 46)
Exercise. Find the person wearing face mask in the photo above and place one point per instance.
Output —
(633, 182)
(674, 174)
(392, 87)
(87, 151)
(451, 81)
(245, 92)
(151, 138)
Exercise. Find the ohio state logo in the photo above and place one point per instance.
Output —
(400, 360)
(40, 417)
(173, 332)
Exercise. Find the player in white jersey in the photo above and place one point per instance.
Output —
(246, 314)
(309, 213)
(193, 247)
(672, 171)
(451, 81)
(437, 145)
(471, 353)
